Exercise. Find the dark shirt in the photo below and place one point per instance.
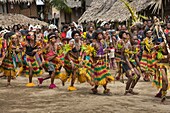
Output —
(29, 50)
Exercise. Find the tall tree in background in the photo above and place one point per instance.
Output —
(58, 4)
(157, 5)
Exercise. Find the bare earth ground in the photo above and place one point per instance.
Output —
(20, 99)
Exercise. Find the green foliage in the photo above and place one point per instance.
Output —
(131, 10)
(61, 5)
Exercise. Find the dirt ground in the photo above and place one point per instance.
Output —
(20, 99)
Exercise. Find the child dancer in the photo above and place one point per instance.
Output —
(101, 74)
(32, 67)
(9, 63)
(53, 64)
(112, 56)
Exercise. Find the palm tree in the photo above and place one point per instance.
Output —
(58, 4)
(159, 5)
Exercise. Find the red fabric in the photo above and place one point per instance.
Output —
(138, 42)
(5, 44)
(63, 34)
(166, 31)
(49, 54)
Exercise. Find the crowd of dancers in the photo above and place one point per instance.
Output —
(139, 51)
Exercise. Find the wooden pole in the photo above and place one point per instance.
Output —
(162, 16)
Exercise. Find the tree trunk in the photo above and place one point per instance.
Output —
(46, 10)
(162, 11)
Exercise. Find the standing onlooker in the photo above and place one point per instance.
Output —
(69, 33)
(167, 30)
(89, 34)
(64, 32)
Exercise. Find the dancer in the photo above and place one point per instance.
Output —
(112, 57)
(162, 78)
(52, 63)
(73, 59)
(118, 52)
(9, 63)
(148, 61)
(101, 74)
(32, 67)
(75, 65)
(2, 53)
(132, 60)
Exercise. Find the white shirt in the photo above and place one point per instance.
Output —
(72, 41)
(112, 53)
(68, 35)
(46, 33)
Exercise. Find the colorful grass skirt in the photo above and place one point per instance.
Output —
(159, 73)
(67, 63)
(81, 72)
(101, 73)
(8, 67)
(148, 62)
(53, 65)
(31, 61)
(61, 57)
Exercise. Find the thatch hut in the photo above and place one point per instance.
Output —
(77, 9)
(19, 1)
(16, 1)
(25, 7)
(113, 10)
(9, 20)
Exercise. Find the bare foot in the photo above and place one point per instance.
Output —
(158, 95)
(14, 78)
(126, 92)
(163, 99)
(107, 92)
(94, 90)
(9, 85)
(63, 83)
(118, 78)
(122, 80)
(92, 83)
(1, 76)
(133, 93)
(146, 78)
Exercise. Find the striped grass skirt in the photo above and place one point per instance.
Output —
(33, 63)
(101, 73)
(148, 62)
(82, 73)
(61, 57)
(67, 64)
(56, 63)
(8, 67)
(161, 67)
(88, 65)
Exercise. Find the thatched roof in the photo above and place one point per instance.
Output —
(9, 20)
(17, 1)
(73, 3)
(106, 10)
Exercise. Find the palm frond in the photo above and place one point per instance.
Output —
(144, 17)
(135, 18)
(157, 5)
